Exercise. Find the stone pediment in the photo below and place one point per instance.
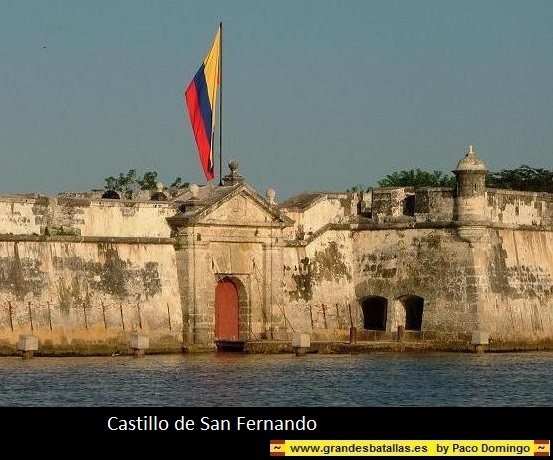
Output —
(238, 205)
(240, 209)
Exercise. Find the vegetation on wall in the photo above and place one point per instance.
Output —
(417, 178)
(128, 183)
(524, 178)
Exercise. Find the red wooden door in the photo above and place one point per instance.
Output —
(226, 310)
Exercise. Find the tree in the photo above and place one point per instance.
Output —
(125, 183)
(128, 183)
(417, 178)
(524, 178)
(178, 183)
(148, 181)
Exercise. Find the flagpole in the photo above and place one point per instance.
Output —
(221, 106)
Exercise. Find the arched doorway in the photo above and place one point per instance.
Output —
(375, 309)
(226, 310)
(414, 306)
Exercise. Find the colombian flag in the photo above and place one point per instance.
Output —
(201, 96)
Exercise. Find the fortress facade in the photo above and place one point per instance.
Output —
(432, 266)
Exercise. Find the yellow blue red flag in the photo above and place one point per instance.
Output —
(200, 96)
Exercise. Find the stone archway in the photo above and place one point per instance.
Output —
(375, 311)
(226, 310)
(414, 307)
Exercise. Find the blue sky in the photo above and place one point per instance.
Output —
(317, 94)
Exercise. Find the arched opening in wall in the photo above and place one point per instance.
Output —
(375, 309)
(414, 306)
(226, 310)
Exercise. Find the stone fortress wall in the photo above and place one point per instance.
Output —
(81, 272)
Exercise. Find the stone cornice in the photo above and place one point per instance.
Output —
(86, 239)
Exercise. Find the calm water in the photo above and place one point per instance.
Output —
(214, 380)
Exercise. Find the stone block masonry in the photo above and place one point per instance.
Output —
(191, 267)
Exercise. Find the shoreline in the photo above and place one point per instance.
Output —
(285, 347)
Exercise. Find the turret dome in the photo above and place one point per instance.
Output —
(470, 162)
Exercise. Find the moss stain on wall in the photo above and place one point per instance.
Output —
(113, 272)
(303, 279)
(21, 276)
(150, 278)
(329, 264)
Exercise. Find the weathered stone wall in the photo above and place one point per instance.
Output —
(429, 263)
(434, 204)
(316, 287)
(21, 215)
(111, 218)
(327, 208)
(501, 283)
(87, 297)
(82, 273)
(517, 284)
(519, 208)
(392, 202)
